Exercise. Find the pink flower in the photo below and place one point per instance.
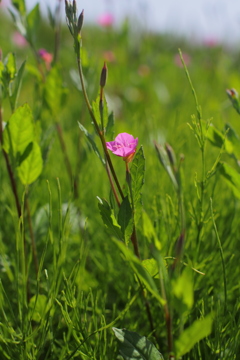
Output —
(124, 145)
(106, 20)
(210, 42)
(19, 40)
(46, 57)
(178, 61)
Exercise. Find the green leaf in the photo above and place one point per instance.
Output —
(193, 334)
(110, 127)
(19, 131)
(218, 139)
(183, 288)
(164, 160)
(136, 347)
(151, 266)
(30, 169)
(38, 304)
(96, 111)
(232, 177)
(51, 17)
(137, 181)
(140, 271)
(149, 231)
(17, 86)
(33, 19)
(25, 154)
(11, 66)
(20, 6)
(235, 140)
(125, 219)
(54, 92)
(109, 219)
(91, 142)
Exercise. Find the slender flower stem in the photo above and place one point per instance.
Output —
(100, 133)
(112, 185)
(134, 234)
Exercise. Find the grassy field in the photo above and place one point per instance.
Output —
(82, 258)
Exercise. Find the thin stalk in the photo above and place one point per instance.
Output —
(103, 135)
(112, 185)
(66, 159)
(34, 249)
(57, 32)
(9, 169)
(168, 318)
(100, 133)
(134, 234)
(221, 254)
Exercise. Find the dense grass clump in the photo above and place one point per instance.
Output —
(92, 244)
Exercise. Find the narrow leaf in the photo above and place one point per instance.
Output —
(125, 219)
(11, 66)
(232, 177)
(193, 334)
(20, 6)
(109, 219)
(54, 91)
(149, 231)
(140, 271)
(164, 160)
(17, 86)
(218, 139)
(136, 347)
(110, 127)
(33, 19)
(91, 142)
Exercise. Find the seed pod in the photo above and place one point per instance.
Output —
(103, 77)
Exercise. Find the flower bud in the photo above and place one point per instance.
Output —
(233, 96)
(170, 154)
(80, 21)
(103, 77)
(74, 7)
(232, 93)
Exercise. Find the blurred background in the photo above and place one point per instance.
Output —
(202, 20)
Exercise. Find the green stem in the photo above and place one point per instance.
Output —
(57, 32)
(221, 254)
(66, 159)
(34, 249)
(100, 133)
(9, 169)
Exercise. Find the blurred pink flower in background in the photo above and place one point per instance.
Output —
(4, 3)
(106, 20)
(186, 58)
(144, 70)
(210, 42)
(124, 145)
(46, 57)
(109, 56)
(19, 40)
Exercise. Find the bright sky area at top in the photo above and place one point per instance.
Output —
(205, 20)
